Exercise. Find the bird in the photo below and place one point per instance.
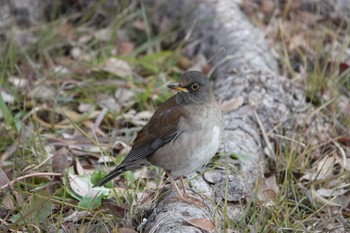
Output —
(183, 134)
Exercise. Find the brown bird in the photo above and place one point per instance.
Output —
(183, 134)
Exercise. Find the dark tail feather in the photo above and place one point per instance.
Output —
(116, 172)
(119, 170)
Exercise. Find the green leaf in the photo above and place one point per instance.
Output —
(7, 115)
(98, 175)
(81, 186)
(35, 212)
(90, 203)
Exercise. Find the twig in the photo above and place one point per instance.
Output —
(28, 176)
(272, 154)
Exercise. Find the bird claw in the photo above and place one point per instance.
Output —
(186, 198)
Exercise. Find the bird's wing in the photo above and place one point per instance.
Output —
(160, 129)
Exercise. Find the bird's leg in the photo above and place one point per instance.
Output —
(184, 197)
(174, 184)
(185, 194)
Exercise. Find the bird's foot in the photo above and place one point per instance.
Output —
(186, 198)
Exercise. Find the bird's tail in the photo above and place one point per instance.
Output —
(117, 171)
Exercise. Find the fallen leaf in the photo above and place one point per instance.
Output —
(126, 230)
(138, 24)
(344, 140)
(82, 186)
(103, 34)
(322, 199)
(199, 62)
(60, 160)
(125, 48)
(232, 104)
(41, 92)
(84, 107)
(7, 97)
(124, 96)
(267, 6)
(115, 66)
(331, 192)
(78, 167)
(107, 102)
(121, 147)
(202, 223)
(76, 216)
(113, 206)
(268, 189)
(18, 82)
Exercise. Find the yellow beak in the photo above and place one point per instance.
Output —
(177, 87)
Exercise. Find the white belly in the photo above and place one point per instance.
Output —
(190, 151)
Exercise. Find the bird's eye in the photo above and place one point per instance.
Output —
(194, 86)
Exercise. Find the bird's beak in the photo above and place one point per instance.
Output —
(177, 87)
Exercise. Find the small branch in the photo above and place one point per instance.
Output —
(28, 176)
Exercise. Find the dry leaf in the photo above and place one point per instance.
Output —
(18, 82)
(107, 102)
(84, 107)
(121, 147)
(105, 159)
(76, 216)
(82, 186)
(344, 140)
(78, 167)
(60, 160)
(323, 200)
(125, 48)
(124, 96)
(138, 24)
(326, 165)
(7, 97)
(41, 92)
(268, 189)
(232, 104)
(113, 206)
(202, 223)
(103, 34)
(199, 63)
(331, 192)
(126, 230)
(114, 66)
(267, 6)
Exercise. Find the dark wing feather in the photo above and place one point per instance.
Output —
(159, 130)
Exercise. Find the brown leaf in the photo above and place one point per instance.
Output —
(138, 24)
(127, 230)
(267, 6)
(76, 216)
(60, 160)
(268, 189)
(232, 104)
(124, 96)
(114, 66)
(125, 48)
(113, 207)
(202, 223)
(344, 140)
(67, 31)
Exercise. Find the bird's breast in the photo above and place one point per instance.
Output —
(198, 140)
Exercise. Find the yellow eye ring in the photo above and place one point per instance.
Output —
(194, 86)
